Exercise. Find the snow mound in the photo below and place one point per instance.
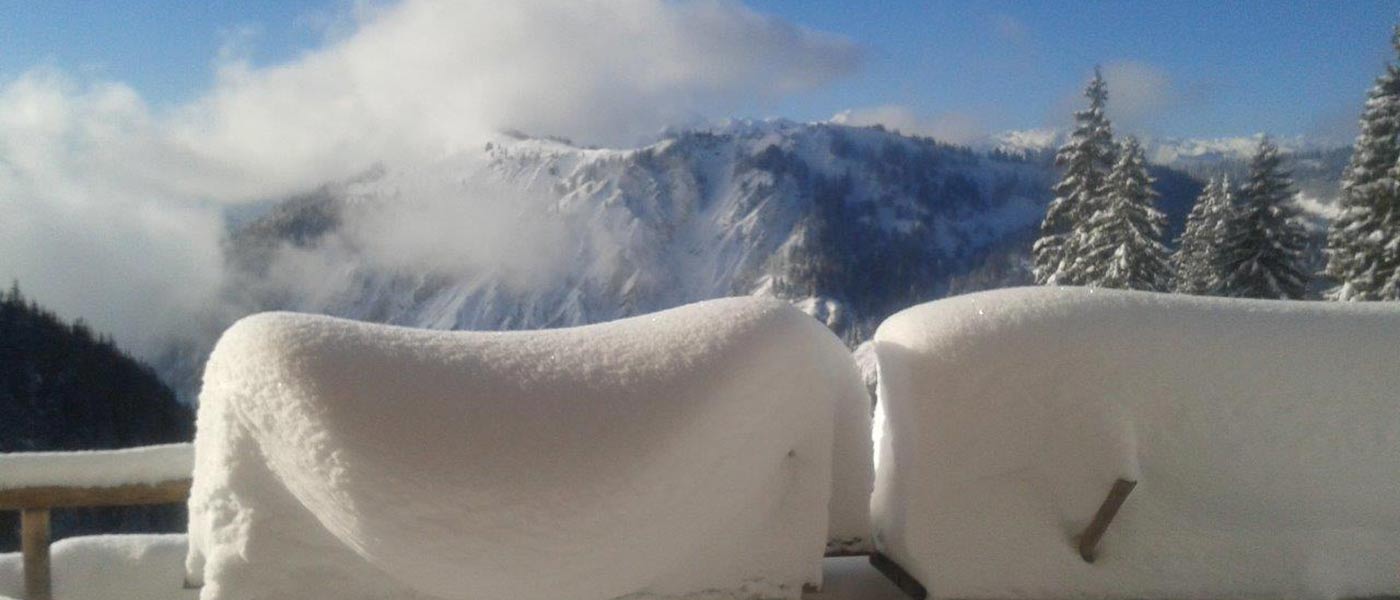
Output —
(1264, 437)
(108, 567)
(97, 468)
(148, 567)
(687, 452)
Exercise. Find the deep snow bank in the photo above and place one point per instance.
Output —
(1265, 437)
(149, 567)
(680, 452)
(108, 567)
(97, 468)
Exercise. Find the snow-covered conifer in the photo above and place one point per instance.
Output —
(1265, 247)
(1195, 264)
(1121, 241)
(1087, 159)
(1362, 259)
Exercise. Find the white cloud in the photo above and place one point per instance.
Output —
(954, 128)
(1009, 28)
(1139, 93)
(429, 76)
(1141, 97)
(89, 223)
(111, 211)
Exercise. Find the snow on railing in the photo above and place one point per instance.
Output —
(97, 468)
(1258, 440)
(687, 452)
(36, 482)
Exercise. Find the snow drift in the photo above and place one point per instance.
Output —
(150, 567)
(1264, 437)
(108, 567)
(684, 452)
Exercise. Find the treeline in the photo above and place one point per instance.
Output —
(1250, 241)
(64, 387)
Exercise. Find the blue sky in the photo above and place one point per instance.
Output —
(127, 129)
(1213, 68)
(163, 48)
(1233, 67)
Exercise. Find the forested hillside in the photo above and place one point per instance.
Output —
(65, 387)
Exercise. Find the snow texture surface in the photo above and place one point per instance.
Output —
(1264, 437)
(97, 468)
(108, 567)
(148, 567)
(683, 453)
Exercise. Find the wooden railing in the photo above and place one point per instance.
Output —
(34, 504)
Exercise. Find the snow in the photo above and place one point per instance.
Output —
(1026, 142)
(1172, 152)
(687, 219)
(148, 567)
(1263, 436)
(683, 453)
(97, 468)
(852, 578)
(852, 471)
(868, 363)
(108, 567)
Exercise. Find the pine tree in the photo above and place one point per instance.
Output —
(1087, 159)
(1264, 252)
(1390, 286)
(1194, 263)
(1362, 255)
(1122, 240)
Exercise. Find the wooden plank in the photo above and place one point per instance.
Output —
(845, 553)
(169, 492)
(897, 575)
(1089, 540)
(34, 545)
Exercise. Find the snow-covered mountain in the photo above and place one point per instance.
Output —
(1316, 166)
(1180, 153)
(848, 223)
(1027, 143)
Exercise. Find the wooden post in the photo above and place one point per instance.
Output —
(34, 505)
(34, 536)
(167, 492)
(1089, 540)
(898, 576)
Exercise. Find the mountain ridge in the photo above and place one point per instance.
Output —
(849, 223)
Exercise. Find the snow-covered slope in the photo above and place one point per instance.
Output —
(687, 452)
(1264, 437)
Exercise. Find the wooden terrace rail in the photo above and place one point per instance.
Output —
(34, 504)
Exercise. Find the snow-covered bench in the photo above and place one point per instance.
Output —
(1264, 438)
(684, 452)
